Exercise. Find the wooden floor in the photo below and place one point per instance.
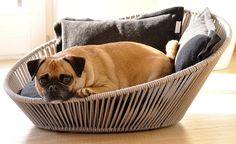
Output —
(211, 119)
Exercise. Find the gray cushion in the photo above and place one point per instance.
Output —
(154, 29)
(197, 42)
(201, 25)
(196, 49)
(29, 90)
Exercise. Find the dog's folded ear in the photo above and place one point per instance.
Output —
(33, 66)
(77, 64)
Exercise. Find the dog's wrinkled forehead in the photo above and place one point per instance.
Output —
(54, 67)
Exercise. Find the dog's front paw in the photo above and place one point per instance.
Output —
(85, 92)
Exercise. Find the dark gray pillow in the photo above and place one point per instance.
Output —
(198, 40)
(196, 49)
(154, 29)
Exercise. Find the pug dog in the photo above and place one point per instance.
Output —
(84, 70)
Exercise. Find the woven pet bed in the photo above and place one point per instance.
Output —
(151, 105)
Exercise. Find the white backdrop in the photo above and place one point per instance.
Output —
(21, 28)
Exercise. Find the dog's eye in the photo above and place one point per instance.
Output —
(66, 79)
(43, 80)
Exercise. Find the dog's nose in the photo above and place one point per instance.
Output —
(53, 88)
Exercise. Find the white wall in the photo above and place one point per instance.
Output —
(103, 9)
(21, 28)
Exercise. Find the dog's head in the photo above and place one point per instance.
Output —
(55, 78)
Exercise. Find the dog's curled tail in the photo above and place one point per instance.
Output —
(172, 48)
